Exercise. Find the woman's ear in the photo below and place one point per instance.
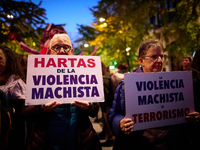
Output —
(141, 61)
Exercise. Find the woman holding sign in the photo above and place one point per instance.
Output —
(151, 58)
(62, 126)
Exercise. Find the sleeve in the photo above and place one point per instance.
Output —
(117, 111)
(92, 112)
(32, 111)
(17, 89)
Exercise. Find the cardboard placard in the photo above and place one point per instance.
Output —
(63, 78)
(158, 99)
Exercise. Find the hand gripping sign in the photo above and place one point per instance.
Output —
(158, 99)
(63, 78)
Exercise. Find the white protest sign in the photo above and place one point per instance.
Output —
(158, 99)
(63, 78)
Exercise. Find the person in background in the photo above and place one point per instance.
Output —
(119, 75)
(195, 67)
(186, 63)
(151, 58)
(12, 84)
(62, 126)
(105, 107)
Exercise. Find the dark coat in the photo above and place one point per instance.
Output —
(168, 137)
(87, 137)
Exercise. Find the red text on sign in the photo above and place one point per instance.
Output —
(160, 115)
(64, 62)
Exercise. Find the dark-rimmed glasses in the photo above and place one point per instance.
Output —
(57, 48)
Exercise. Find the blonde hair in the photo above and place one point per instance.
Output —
(62, 37)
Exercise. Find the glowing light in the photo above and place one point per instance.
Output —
(120, 31)
(86, 45)
(10, 16)
(101, 19)
(34, 44)
(111, 67)
(128, 49)
(103, 25)
(115, 63)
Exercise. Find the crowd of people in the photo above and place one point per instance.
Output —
(56, 126)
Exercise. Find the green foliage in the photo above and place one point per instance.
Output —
(24, 18)
(183, 28)
(127, 25)
(87, 31)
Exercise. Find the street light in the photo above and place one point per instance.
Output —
(128, 49)
(10, 16)
(101, 19)
(86, 45)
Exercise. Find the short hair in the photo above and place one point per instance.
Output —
(144, 46)
(187, 57)
(123, 66)
(63, 37)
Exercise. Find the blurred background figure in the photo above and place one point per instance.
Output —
(13, 85)
(186, 63)
(105, 107)
(195, 67)
(119, 75)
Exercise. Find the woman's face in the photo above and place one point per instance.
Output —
(152, 61)
(186, 63)
(60, 43)
(2, 61)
